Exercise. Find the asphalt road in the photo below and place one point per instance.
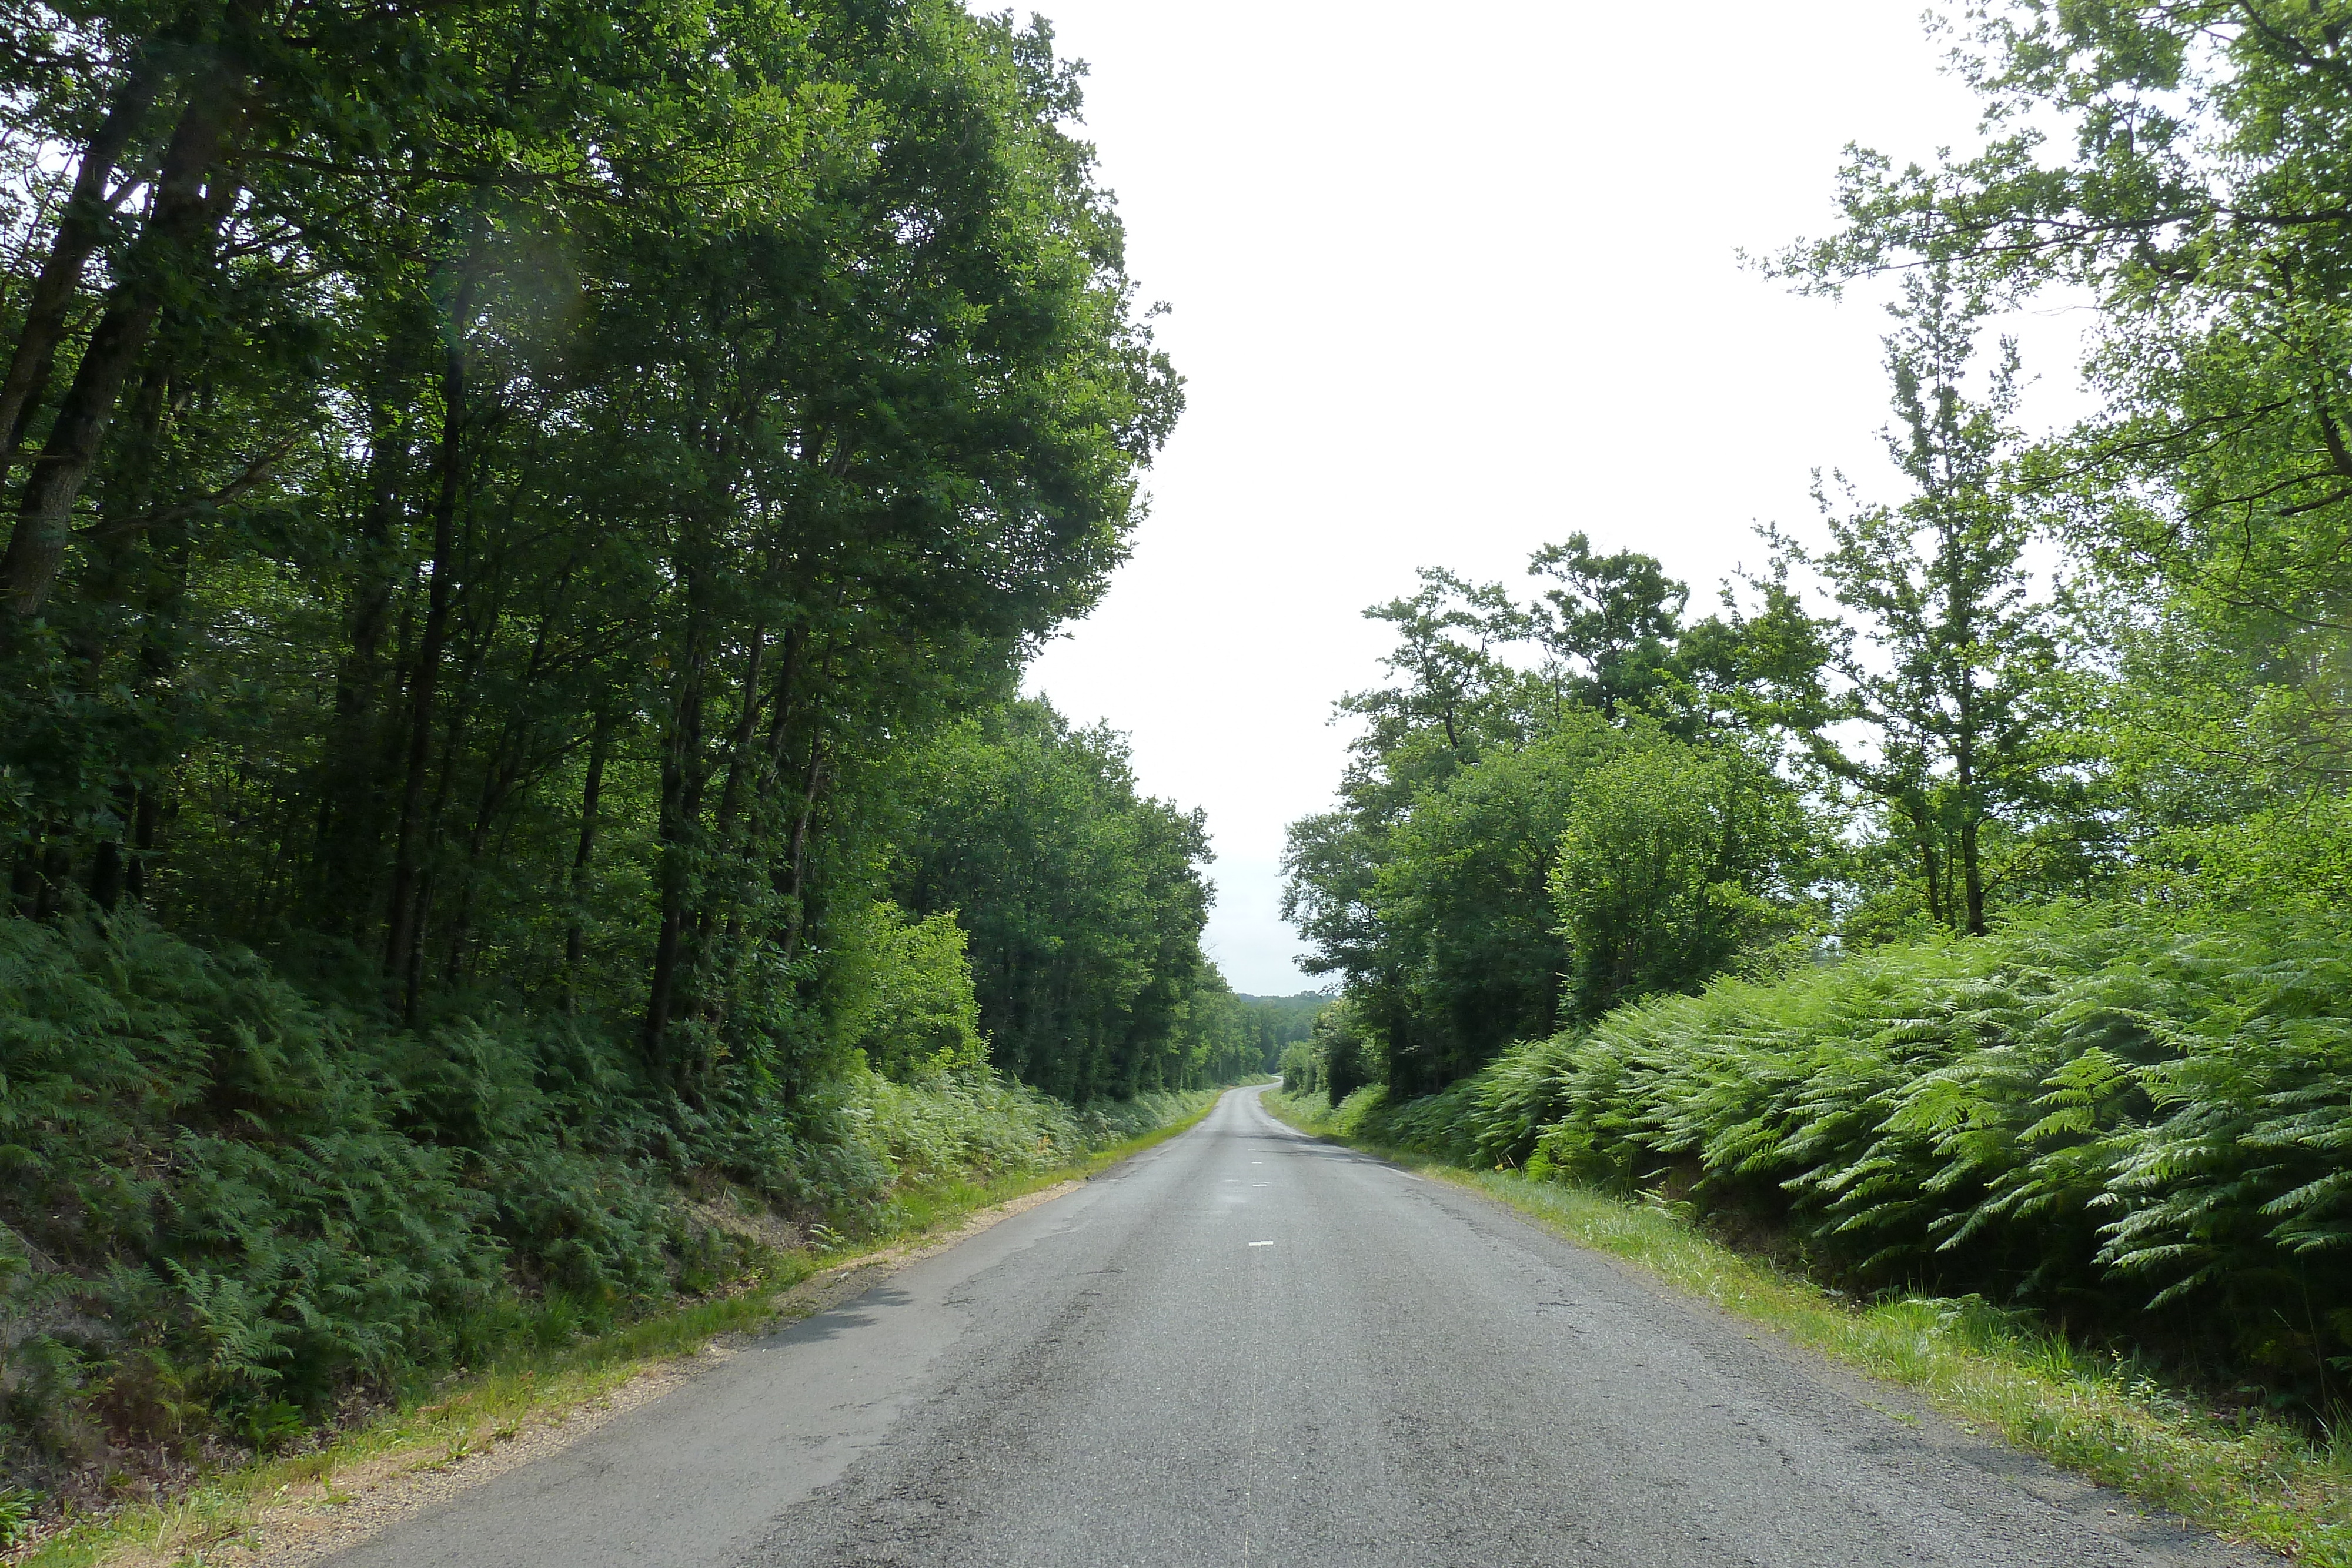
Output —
(1248, 1347)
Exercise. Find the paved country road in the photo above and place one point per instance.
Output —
(1249, 1347)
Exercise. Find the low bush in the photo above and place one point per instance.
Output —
(229, 1209)
(2138, 1129)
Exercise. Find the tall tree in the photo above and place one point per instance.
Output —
(1954, 678)
(1610, 622)
(2179, 165)
(1084, 898)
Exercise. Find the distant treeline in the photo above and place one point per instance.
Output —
(1277, 1023)
(1982, 930)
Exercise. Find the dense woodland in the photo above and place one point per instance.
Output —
(1961, 901)
(523, 525)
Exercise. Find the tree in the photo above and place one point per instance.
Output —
(1084, 900)
(513, 480)
(1446, 669)
(1675, 860)
(1612, 622)
(1427, 887)
(2178, 163)
(1956, 682)
(1470, 955)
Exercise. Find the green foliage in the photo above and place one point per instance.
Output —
(1614, 621)
(974, 1124)
(1431, 888)
(1439, 891)
(229, 1203)
(2063, 771)
(1665, 869)
(1469, 951)
(1955, 681)
(540, 490)
(2135, 1126)
(1333, 1060)
(1345, 1117)
(912, 1006)
(498, 498)
(1279, 1021)
(226, 1198)
(1083, 902)
(2171, 164)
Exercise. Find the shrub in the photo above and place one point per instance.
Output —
(224, 1204)
(2136, 1127)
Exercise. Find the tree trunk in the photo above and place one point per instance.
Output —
(183, 225)
(1972, 878)
(742, 759)
(1971, 811)
(25, 879)
(1924, 832)
(116, 576)
(350, 803)
(779, 701)
(599, 744)
(81, 228)
(403, 940)
(56, 870)
(796, 860)
(677, 828)
(740, 754)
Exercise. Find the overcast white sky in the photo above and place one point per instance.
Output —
(1450, 282)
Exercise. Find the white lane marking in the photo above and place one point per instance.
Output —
(1261, 1243)
(1261, 1183)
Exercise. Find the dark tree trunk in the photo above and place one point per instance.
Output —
(1972, 878)
(116, 578)
(679, 826)
(796, 857)
(779, 701)
(740, 754)
(1971, 811)
(82, 228)
(742, 760)
(600, 745)
(25, 879)
(57, 870)
(109, 871)
(159, 662)
(351, 824)
(184, 220)
(404, 942)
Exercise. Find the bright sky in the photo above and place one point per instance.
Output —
(1450, 282)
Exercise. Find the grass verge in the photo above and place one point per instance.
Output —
(472, 1412)
(2241, 1474)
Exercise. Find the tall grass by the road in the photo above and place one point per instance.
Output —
(238, 1210)
(542, 1383)
(2137, 1122)
(2244, 1473)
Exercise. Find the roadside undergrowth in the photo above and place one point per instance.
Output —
(2243, 1474)
(477, 1410)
